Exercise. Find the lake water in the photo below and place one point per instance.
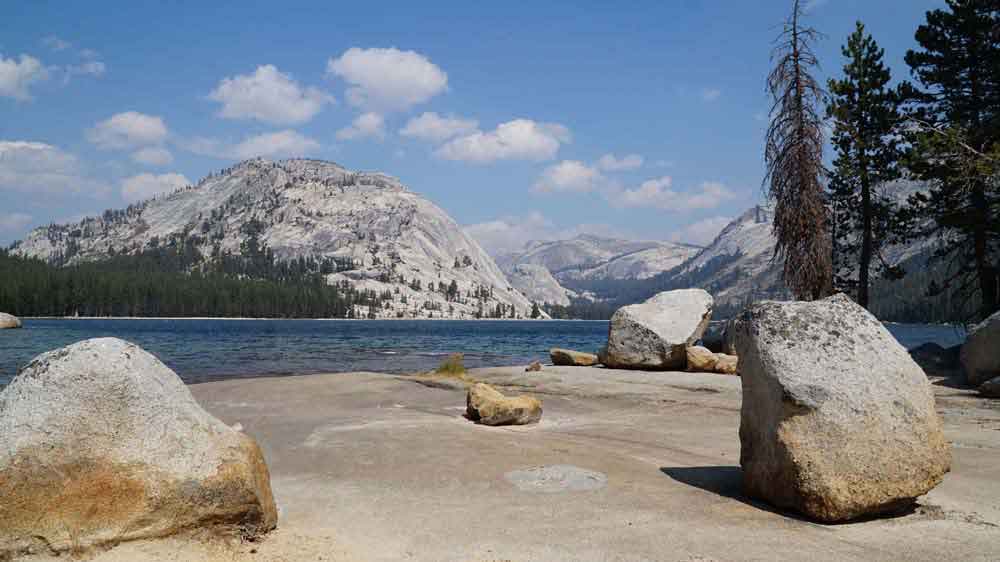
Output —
(205, 350)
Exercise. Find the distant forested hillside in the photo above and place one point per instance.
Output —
(174, 281)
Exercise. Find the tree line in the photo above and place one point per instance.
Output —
(942, 128)
(162, 282)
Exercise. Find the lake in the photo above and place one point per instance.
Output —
(206, 350)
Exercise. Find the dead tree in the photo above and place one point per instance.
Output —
(794, 157)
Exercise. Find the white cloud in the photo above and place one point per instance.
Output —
(658, 193)
(701, 232)
(436, 128)
(153, 155)
(569, 176)
(55, 43)
(37, 167)
(147, 186)
(711, 94)
(365, 125)
(520, 139)
(610, 163)
(14, 222)
(284, 143)
(280, 143)
(130, 129)
(268, 95)
(507, 235)
(811, 5)
(510, 234)
(17, 76)
(86, 68)
(387, 79)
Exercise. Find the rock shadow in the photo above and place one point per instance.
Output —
(727, 481)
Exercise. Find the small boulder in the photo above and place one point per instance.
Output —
(9, 321)
(488, 406)
(837, 421)
(727, 364)
(980, 357)
(655, 335)
(700, 360)
(990, 388)
(102, 443)
(570, 358)
(534, 367)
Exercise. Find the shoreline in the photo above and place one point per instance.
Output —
(241, 318)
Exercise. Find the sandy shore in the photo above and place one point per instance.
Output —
(376, 467)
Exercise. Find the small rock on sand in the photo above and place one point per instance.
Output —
(570, 358)
(534, 367)
(727, 364)
(488, 406)
(700, 359)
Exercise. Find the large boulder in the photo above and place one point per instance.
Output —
(980, 355)
(570, 358)
(837, 421)
(8, 321)
(102, 443)
(488, 406)
(654, 335)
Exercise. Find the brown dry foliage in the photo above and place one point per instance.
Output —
(794, 158)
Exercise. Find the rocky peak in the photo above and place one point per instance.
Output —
(389, 238)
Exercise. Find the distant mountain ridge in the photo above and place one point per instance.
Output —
(737, 267)
(386, 238)
(547, 271)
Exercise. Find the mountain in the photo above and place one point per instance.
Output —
(589, 257)
(556, 271)
(737, 268)
(538, 284)
(381, 236)
(737, 265)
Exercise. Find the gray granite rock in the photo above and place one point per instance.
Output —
(837, 420)
(102, 443)
(980, 355)
(655, 334)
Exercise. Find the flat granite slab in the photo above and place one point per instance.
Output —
(624, 466)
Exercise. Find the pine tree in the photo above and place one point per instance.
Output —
(955, 139)
(535, 312)
(794, 157)
(865, 112)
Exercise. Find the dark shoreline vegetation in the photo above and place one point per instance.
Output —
(159, 283)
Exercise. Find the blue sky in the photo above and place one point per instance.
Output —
(522, 120)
